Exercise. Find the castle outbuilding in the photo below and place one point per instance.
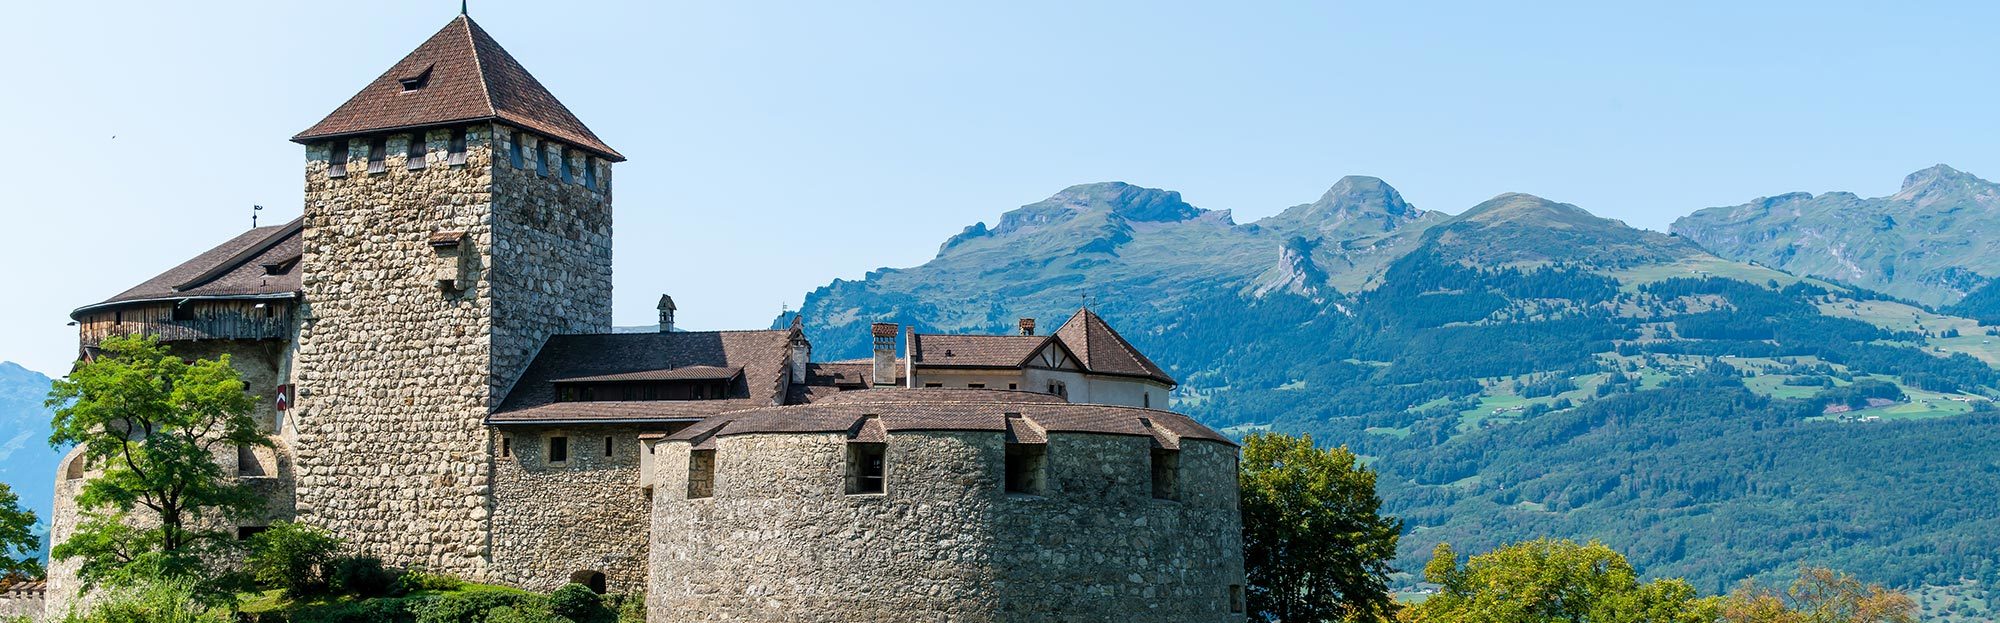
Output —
(446, 390)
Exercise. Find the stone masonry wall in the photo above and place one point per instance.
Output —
(781, 541)
(16, 607)
(589, 513)
(551, 253)
(392, 369)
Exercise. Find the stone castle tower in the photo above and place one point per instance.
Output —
(456, 216)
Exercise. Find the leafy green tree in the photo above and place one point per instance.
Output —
(295, 558)
(1553, 581)
(154, 423)
(18, 544)
(1315, 545)
(1818, 596)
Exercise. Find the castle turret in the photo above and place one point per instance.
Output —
(456, 216)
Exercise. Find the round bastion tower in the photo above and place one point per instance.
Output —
(946, 505)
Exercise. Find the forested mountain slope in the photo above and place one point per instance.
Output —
(26, 462)
(1523, 369)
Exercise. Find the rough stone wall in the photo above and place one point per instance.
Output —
(396, 374)
(586, 514)
(12, 607)
(781, 541)
(64, 585)
(392, 369)
(551, 270)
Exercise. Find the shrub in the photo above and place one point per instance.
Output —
(473, 606)
(370, 611)
(417, 579)
(576, 602)
(361, 576)
(166, 601)
(294, 558)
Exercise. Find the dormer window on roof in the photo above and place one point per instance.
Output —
(421, 80)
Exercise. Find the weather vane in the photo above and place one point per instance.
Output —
(253, 215)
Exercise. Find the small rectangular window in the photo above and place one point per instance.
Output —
(184, 311)
(506, 447)
(866, 467)
(1166, 474)
(1146, 400)
(514, 151)
(1026, 467)
(558, 449)
(590, 172)
(118, 317)
(337, 163)
(1236, 599)
(378, 154)
(542, 160)
(975, 386)
(568, 177)
(701, 473)
(933, 385)
(419, 146)
(607, 447)
(456, 155)
(1013, 386)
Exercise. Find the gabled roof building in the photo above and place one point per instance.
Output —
(444, 389)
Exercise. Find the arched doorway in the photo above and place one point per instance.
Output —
(592, 580)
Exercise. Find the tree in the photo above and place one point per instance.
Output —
(1553, 581)
(1818, 596)
(154, 423)
(19, 559)
(1315, 546)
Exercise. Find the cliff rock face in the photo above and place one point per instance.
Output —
(1931, 241)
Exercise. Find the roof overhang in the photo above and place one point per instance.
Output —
(273, 296)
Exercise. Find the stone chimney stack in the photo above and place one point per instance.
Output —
(885, 353)
(1027, 326)
(801, 351)
(666, 313)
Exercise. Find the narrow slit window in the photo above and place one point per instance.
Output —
(607, 447)
(568, 176)
(378, 155)
(866, 467)
(506, 447)
(975, 386)
(1166, 474)
(514, 151)
(590, 172)
(542, 160)
(456, 152)
(558, 449)
(1236, 599)
(701, 473)
(419, 146)
(337, 163)
(1026, 468)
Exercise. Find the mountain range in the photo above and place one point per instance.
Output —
(27, 464)
(1526, 368)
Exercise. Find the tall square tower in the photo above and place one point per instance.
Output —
(456, 216)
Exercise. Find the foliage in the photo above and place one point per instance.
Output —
(19, 546)
(418, 579)
(362, 576)
(1818, 596)
(173, 600)
(295, 558)
(1315, 546)
(576, 602)
(153, 422)
(473, 606)
(1553, 581)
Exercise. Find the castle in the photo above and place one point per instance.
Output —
(446, 390)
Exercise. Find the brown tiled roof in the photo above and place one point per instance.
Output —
(1103, 351)
(906, 410)
(973, 351)
(468, 77)
(760, 355)
(29, 589)
(683, 373)
(240, 268)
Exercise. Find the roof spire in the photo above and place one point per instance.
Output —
(461, 8)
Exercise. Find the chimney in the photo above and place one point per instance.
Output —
(666, 313)
(1027, 326)
(885, 353)
(801, 351)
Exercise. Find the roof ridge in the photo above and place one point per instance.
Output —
(479, 64)
(253, 250)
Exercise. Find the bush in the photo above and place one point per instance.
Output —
(370, 611)
(362, 576)
(166, 601)
(294, 558)
(417, 579)
(577, 603)
(474, 606)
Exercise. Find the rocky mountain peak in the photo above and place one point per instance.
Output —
(1940, 182)
(1131, 203)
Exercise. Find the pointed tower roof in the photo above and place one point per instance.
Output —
(1103, 350)
(459, 75)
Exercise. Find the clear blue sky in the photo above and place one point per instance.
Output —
(777, 146)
